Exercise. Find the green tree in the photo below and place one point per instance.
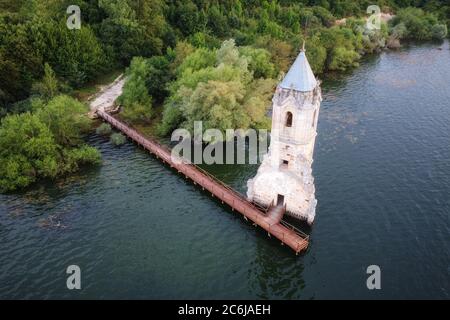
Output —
(135, 99)
(205, 40)
(217, 104)
(66, 118)
(118, 139)
(197, 60)
(48, 87)
(46, 143)
(217, 21)
(342, 46)
(75, 158)
(20, 61)
(223, 94)
(282, 52)
(259, 62)
(133, 28)
(317, 55)
(186, 17)
(158, 77)
(177, 55)
(27, 151)
(343, 58)
(419, 25)
(439, 31)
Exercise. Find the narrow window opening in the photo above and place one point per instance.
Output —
(289, 120)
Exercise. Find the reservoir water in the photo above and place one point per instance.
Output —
(138, 230)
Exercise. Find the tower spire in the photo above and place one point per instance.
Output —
(300, 77)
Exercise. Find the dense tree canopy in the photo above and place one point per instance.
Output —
(202, 78)
(225, 88)
(33, 32)
(135, 95)
(416, 24)
(45, 143)
(180, 59)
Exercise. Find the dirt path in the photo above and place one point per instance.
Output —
(104, 100)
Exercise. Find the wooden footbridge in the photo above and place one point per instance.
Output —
(270, 220)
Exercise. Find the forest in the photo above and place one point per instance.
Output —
(215, 61)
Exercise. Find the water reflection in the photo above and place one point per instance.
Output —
(275, 273)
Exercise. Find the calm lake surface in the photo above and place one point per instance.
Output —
(137, 230)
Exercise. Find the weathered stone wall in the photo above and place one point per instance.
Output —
(294, 144)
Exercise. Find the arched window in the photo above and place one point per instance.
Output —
(314, 118)
(289, 119)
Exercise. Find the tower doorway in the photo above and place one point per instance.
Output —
(280, 200)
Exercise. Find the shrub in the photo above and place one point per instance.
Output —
(439, 31)
(223, 93)
(104, 129)
(419, 25)
(45, 143)
(399, 31)
(118, 139)
(78, 157)
(135, 99)
(342, 59)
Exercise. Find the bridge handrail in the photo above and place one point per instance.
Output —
(135, 134)
(296, 230)
(169, 151)
(227, 187)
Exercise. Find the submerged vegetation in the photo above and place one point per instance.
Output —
(182, 65)
(104, 129)
(118, 139)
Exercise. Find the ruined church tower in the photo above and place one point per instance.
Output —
(285, 176)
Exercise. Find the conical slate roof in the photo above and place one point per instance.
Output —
(300, 77)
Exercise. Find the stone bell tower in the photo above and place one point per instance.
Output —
(285, 176)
